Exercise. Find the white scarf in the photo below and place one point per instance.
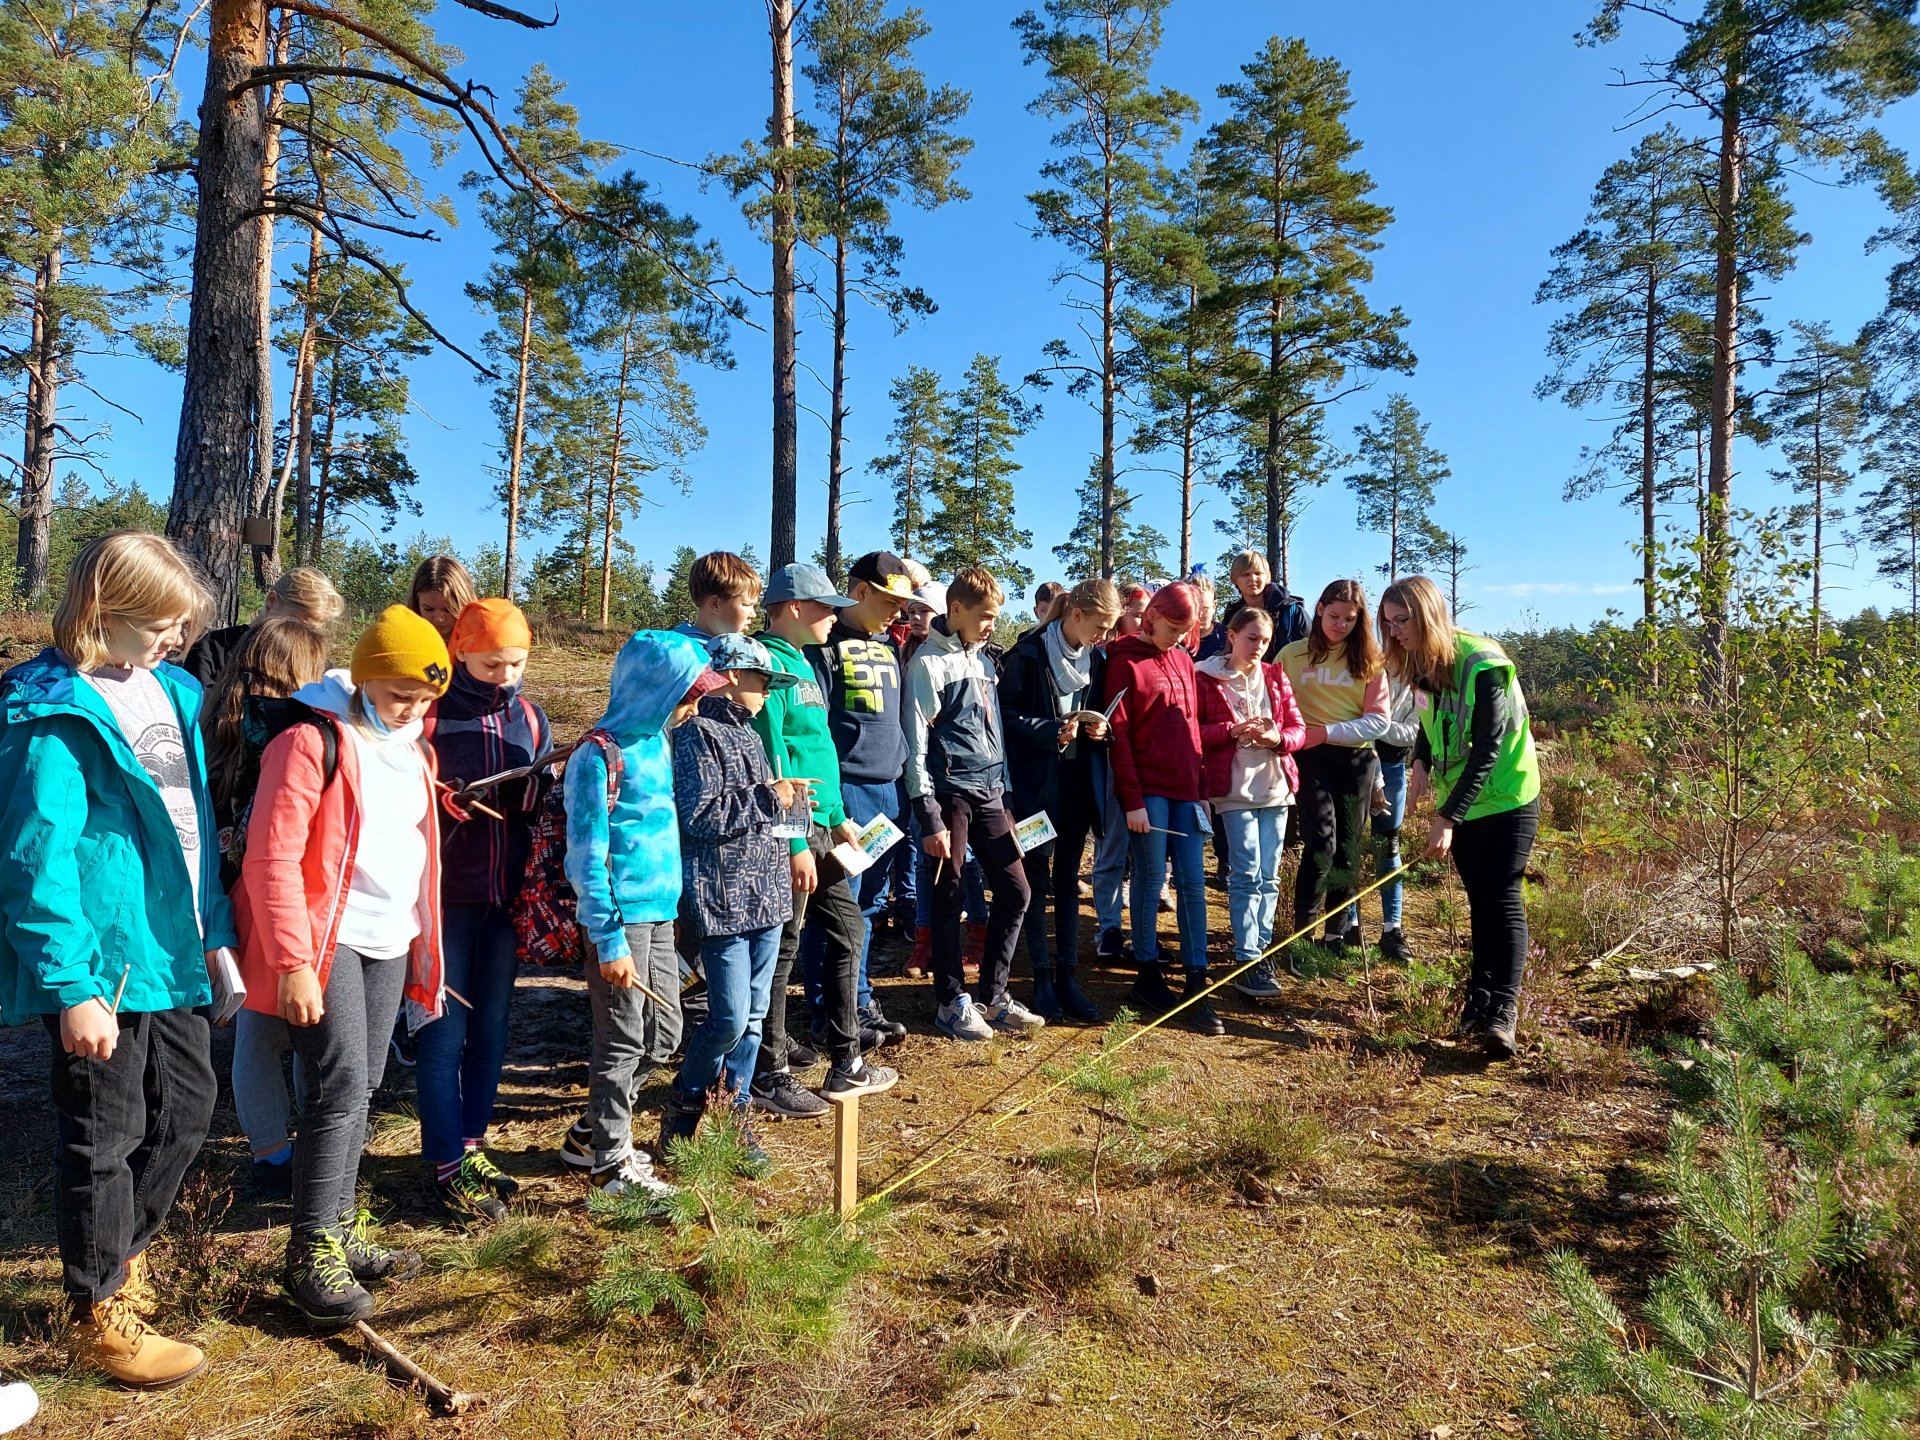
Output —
(1072, 669)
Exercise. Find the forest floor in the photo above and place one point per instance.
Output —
(1332, 1222)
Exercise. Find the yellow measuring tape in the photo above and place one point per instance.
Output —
(1058, 1085)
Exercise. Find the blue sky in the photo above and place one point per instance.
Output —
(1484, 129)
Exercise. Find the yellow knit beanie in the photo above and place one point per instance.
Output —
(402, 646)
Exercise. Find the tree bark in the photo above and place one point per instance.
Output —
(42, 434)
(613, 478)
(1726, 368)
(837, 411)
(321, 495)
(266, 558)
(1650, 360)
(781, 17)
(517, 442)
(212, 479)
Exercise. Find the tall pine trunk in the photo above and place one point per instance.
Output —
(786, 399)
(1109, 283)
(266, 496)
(1726, 368)
(212, 467)
(301, 440)
(42, 434)
(322, 496)
(1649, 478)
(1819, 490)
(837, 411)
(517, 441)
(613, 477)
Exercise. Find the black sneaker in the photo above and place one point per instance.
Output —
(860, 1078)
(872, 1017)
(1112, 948)
(367, 1260)
(501, 1183)
(679, 1121)
(1499, 1034)
(801, 1055)
(1393, 945)
(870, 1039)
(1259, 983)
(272, 1184)
(1473, 1014)
(785, 1098)
(468, 1196)
(577, 1148)
(320, 1283)
(400, 1046)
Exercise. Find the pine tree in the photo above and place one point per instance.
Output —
(976, 522)
(918, 456)
(1889, 513)
(1638, 281)
(1298, 230)
(886, 135)
(526, 291)
(1304, 463)
(88, 115)
(1817, 412)
(1106, 180)
(1191, 372)
(1395, 488)
(1139, 550)
(1443, 552)
(1783, 82)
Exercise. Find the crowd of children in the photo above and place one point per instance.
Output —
(359, 859)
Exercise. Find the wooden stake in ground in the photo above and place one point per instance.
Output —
(442, 1397)
(846, 1154)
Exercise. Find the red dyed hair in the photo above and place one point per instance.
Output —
(1177, 602)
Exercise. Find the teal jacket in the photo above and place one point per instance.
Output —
(93, 883)
(625, 867)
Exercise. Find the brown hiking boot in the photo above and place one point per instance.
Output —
(115, 1339)
(137, 1290)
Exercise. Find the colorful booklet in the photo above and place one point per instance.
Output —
(858, 856)
(1033, 832)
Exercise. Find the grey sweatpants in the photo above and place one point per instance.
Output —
(631, 1034)
(345, 1055)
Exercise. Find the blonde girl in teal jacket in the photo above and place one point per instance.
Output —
(110, 910)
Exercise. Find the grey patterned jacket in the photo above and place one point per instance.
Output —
(734, 867)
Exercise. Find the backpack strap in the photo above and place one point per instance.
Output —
(329, 746)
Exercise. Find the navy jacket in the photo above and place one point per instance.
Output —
(734, 868)
(1291, 621)
(477, 730)
(1038, 774)
(863, 704)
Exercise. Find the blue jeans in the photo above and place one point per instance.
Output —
(457, 1058)
(1188, 850)
(1110, 852)
(739, 971)
(1386, 845)
(1254, 838)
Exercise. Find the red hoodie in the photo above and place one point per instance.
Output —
(1156, 729)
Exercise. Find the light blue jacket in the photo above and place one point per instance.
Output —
(93, 882)
(625, 868)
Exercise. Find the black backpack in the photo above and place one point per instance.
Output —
(265, 720)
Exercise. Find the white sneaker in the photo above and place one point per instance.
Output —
(1010, 1015)
(962, 1020)
(18, 1405)
(632, 1176)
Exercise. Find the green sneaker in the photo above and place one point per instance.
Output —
(321, 1284)
(501, 1183)
(468, 1196)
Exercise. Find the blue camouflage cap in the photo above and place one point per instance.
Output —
(743, 652)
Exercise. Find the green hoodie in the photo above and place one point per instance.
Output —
(804, 749)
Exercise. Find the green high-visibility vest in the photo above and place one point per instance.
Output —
(1447, 719)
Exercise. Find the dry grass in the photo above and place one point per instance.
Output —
(1344, 1232)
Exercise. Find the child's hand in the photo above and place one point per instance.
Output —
(790, 792)
(619, 973)
(938, 846)
(806, 879)
(89, 1030)
(847, 833)
(1094, 727)
(300, 1000)
(1316, 735)
(1380, 805)
(1139, 822)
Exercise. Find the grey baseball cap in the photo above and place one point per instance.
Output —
(804, 582)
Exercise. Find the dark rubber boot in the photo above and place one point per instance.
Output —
(1200, 1016)
(1074, 1004)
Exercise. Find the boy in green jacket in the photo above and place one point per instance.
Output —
(801, 603)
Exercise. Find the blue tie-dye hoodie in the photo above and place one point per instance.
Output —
(625, 867)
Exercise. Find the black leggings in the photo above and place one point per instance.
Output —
(1053, 870)
(1332, 810)
(1491, 854)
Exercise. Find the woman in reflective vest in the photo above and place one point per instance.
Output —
(1475, 753)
